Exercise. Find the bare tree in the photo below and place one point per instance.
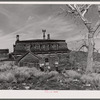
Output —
(80, 11)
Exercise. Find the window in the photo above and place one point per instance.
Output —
(47, 47)
(46, 60)
(57, 46)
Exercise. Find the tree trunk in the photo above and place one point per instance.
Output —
(89, 68)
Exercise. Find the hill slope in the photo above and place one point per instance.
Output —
(75, 45)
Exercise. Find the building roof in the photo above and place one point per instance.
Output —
(4, 50)
(26, 54)
(40, 40)
(7, 59)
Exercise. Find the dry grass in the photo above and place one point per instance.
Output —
(93, 78)
(12, 73)
(7, 76)
(53, 73)
(21, 73)
(72, 74)
(5, 67)
(96, 67)
(87, 78)
(36, 73)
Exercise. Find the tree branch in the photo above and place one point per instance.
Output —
(98, 22)
(71, 7)
(96, 26)
(82, 47)
(81, 14)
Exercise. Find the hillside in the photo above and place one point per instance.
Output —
(76, 60)
(76, 44)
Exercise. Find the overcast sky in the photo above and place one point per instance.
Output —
(28, 20)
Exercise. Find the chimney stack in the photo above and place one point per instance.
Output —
(48, 36)
(44, 34)
(17, 37)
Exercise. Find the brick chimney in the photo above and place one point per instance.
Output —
(44, 34)
(17, 37)
(48, 36)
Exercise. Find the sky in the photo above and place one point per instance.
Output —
(28, 20)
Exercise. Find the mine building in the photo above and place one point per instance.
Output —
(4, 54)
(4, 51)
(28, 59)
(46, 49)
(40, 46)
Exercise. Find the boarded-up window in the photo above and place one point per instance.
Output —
(46, 60)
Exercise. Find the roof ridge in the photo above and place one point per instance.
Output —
(28, 53)
(34, 54)
(39, 40)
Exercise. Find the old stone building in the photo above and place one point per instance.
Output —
(28, 59)
(40, 46)
(45, 48)
(4, 51)
(4, 54)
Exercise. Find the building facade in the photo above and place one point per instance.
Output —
(28, 59)
(40, 46)
(47, 49)
(4, 54)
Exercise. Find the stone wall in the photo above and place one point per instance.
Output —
(38, 47)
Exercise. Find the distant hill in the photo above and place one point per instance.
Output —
(75, 45)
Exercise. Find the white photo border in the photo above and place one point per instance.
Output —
(49, 94)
